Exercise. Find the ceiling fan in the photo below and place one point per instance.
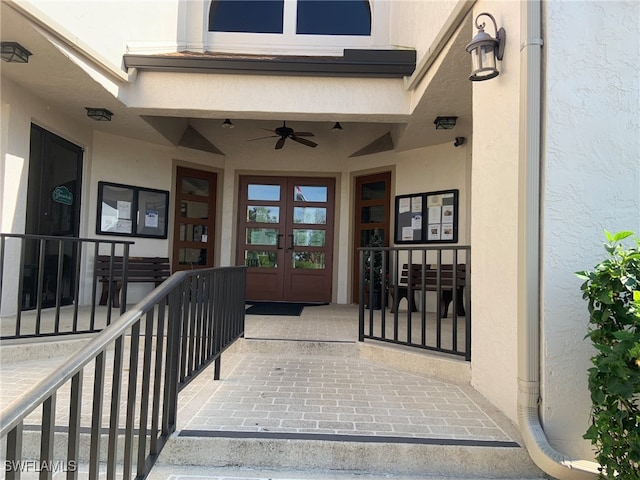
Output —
(285, 132)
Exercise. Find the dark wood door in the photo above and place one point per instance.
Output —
(285, 237)
(53, 208)
(193, 237)
(372, 217)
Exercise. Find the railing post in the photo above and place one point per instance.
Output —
(361, 302)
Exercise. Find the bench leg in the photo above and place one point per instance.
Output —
(447, 298)
(402, 293)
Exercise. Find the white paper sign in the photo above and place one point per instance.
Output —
(416, 204)
(407, 233)
(434, 214)
(404, 205)
(416, 221)
(151, 219)
(433, 232)
(124, 210)
(447, 231)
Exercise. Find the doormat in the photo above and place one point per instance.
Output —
(275, 308)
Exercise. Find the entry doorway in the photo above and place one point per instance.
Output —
(53, 209)
(285, 237)
(194, 226)
(372, 218)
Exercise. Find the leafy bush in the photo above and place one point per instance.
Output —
(613, 293)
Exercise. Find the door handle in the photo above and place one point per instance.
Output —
(291, 247)
(278, 246)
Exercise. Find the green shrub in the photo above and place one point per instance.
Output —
(613, 292)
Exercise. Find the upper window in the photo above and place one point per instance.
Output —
(249, 16)
(313, 17)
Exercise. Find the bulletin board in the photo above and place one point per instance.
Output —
(428, 217)
(125, 210)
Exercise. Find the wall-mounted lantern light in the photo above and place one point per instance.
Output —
(445, 123)
(99, 114)
(485, 50)
(14, 52)
(227, 123)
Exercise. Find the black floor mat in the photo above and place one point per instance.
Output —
(275, 308)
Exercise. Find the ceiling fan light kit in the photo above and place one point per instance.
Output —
(284, 132)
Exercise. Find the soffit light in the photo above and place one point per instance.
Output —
(485, 50)
(227, 123)
(445, 123)
(99, 114)
(15, 53)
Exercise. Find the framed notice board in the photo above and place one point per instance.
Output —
(130, 211)
(429, 217)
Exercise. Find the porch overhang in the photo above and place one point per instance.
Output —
(354, 63)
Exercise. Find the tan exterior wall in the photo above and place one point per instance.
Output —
(494, 221)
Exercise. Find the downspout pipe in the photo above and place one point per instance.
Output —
(529, 326)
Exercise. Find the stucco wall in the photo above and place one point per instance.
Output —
(494, 221)
(592, 183)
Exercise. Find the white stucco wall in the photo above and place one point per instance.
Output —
(591, 183)
(19, 110)
(494, 220)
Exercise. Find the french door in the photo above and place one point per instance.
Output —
(193, 237)
(285, 237)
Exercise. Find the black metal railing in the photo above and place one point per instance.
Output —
(436, 278)
(159, 346)
(41, 274)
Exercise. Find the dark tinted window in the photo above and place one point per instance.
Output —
(334, 17)
(251, 16)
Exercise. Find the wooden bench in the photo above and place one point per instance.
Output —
(140, 269)
(430, 285)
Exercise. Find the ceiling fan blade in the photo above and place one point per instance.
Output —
(304, 134)
(280, 143)
(262, 138)
(304, 141)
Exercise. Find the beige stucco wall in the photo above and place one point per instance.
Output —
(494, 221)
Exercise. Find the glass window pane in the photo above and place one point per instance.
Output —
(373, 191)
(308, 260)
(310, 215)
(192, 256)
(374, 214)
(309, 238)
(252, 16)
(373, 237)
(263, 214)
(261, 259)
(195, 186)
(306, 193)
(191, 209)
(264, 192)
(193, 233)
(262, 236)
(334, 17)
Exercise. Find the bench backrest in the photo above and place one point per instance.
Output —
(431, 275)
(141, 269)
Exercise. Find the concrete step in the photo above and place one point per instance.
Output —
(174, 472)
(385, 457)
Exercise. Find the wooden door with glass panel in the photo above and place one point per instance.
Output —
(193, 238)
(372, 214)
(285, 237)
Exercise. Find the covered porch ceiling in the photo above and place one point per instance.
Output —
(56, 77)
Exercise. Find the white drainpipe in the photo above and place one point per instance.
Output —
(542, 453)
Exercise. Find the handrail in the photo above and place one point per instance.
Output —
(33, 398)
(190, 319)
